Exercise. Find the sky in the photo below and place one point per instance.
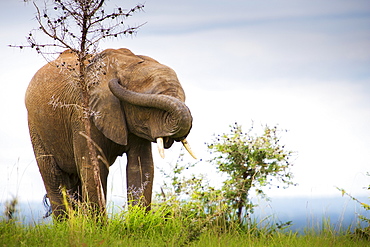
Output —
(301, 65)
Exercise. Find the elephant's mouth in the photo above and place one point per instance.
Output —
(167, 142)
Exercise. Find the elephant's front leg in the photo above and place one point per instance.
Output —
(140, 172)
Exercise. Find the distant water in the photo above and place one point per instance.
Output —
(309, 213)
(305, 213)
(29, 212)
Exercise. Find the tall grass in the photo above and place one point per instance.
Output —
(166, 225)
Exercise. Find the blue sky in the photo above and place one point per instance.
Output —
(303, 65)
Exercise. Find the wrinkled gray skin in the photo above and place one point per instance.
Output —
(133, 100)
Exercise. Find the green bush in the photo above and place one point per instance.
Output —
(248, 161)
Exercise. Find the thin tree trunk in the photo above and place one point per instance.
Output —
(85, 97)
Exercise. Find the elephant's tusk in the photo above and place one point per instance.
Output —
(160, 147)
(187, 147)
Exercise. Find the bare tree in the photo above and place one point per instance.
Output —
(79, 25)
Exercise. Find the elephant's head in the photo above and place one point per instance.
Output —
(136, 94)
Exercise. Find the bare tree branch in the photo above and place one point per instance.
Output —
(79, 25)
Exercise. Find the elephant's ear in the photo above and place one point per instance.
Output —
(107, 114)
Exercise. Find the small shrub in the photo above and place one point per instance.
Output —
(250, 161)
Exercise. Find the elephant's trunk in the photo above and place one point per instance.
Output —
(179, 113)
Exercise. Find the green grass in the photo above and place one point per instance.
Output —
(286, 239)
(166, 226)
(116, 234)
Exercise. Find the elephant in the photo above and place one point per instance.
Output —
(133, 101)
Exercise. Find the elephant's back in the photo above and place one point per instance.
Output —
(52, 100)
(53, 85)
(40, 88)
